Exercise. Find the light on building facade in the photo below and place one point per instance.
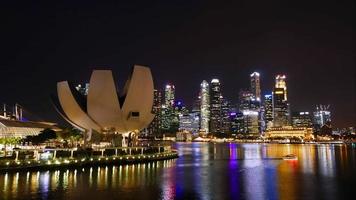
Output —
(204, 106)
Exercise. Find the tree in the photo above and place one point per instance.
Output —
(71, 134)
(42, 137)
(47, 134)
(64, 134)
(75, 135)
(9, 140)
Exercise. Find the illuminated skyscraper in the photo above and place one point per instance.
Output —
(169, 95)
(189, 122)
(251, 122)
(268, 110)
(247, 101)
(215, 106)
(225, 116)
(255, 86)
(302, 119)
(204, 107)
(322, 115)
(280, 108)
(170, 120)
(250, 109)
(179, 108)
(281, 83)
(83, 89)
(237, 123)
(156, 125)
(196, 106)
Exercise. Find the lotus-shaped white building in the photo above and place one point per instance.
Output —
(105, 111)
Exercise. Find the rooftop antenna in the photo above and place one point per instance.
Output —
(5, 110)
(20, 113)
(16, 112)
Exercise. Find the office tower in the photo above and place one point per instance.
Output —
(215, 106)
(281, 83)
(237, 122)
(302, 119)
(250, 108)
(255, 85)
(251, 122)
(166, 117)
(155, 127)
(177, 111)
(225, 116)
(170, 121)
(189, 122)
(83, 89)
(204, 107)
(322, 115)
(280, 108)
(179, 108)
(268, 110)
(245, 100)
(196, 105)
(169, 95)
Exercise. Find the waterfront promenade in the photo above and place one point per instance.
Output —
(34, 159)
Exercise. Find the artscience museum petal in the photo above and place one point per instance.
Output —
(105, 109)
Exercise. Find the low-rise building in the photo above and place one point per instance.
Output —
(289, 131)
(16, 128)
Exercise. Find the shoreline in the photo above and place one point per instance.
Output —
(274, 142)
(10, 166)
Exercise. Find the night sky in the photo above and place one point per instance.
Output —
(183, 42)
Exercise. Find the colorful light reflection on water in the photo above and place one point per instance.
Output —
(203, 171)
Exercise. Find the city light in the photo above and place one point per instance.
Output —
(177, 100)
(255, 74)
(215, 80)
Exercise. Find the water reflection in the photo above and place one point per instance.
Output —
(203, 171)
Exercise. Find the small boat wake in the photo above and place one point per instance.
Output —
(290, 157)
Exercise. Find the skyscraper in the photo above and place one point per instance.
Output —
(251, 122)
(179, 108)
(215, 106)
(155, 127)
(189, 122)
(245, 100)
(83, 89)
(169, 95)
(268, 110)
(281, 83)
(280, 108)
(255, 85)
(196, 106)
(204, 107)
(170, 121)
(322, 115)
(302, 119)
(225, 116)
(250, 109)
(237, 122)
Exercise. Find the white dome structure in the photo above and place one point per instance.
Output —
(103, 110)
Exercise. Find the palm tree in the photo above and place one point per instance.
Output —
(9, 140)
(71, 134)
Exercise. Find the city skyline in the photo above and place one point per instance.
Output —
(177, 99)
(195, 41)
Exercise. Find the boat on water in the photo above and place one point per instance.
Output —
(290, 157)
